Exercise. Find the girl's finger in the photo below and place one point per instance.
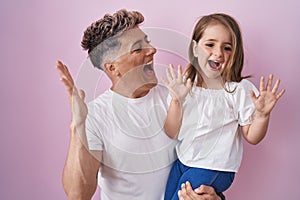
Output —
(179, 72)
(262, 84)
(275, 88)
(280, 94)
(269, 84)
(169, 76)
(172, 71)
(164, 81)
(189, 83)
(253, 96)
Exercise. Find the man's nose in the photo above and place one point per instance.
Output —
(150, 50)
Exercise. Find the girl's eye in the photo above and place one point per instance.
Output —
(227, 48)
(209, 45)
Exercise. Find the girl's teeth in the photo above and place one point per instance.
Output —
(213, 64)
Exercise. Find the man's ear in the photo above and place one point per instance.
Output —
(195, 48)
(111, 69)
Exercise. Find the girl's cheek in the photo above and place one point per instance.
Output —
(228, 56)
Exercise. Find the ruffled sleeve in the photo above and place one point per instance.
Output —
(244, 103)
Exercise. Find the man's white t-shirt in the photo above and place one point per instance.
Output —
(209, 137)
(137, 154)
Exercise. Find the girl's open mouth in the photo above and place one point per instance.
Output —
(214, 65)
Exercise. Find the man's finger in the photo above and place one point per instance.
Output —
(204, 189)
(63, 71)
(81, 94)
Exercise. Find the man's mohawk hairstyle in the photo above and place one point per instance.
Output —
(109, 26)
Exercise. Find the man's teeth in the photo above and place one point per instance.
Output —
(149, 63)
(148, 66)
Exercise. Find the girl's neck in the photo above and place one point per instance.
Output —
(215, 83)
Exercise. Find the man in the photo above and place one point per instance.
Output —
(120, 133)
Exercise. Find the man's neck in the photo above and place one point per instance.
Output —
(132, 93)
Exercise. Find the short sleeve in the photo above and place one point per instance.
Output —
(93, 133)
(244, 103)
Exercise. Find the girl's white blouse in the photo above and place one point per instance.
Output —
(210, 137)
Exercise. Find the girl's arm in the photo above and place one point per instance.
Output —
(174, 119)
(255, 132)
(178, 88)
(264, 104)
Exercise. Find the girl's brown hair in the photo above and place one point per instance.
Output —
(234, 67)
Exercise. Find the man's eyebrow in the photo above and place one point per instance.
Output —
(139, 41)
(136, 42)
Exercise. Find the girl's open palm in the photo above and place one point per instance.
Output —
(268, 96)
(177, 85)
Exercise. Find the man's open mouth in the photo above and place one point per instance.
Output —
(148, 68)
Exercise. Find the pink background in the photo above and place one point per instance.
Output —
(34, 109)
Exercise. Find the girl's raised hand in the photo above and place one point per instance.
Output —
(177, 84)
(268, 96)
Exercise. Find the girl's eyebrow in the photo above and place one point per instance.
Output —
(214, 40)
(229, 43)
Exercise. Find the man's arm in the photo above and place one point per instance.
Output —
(80, 171)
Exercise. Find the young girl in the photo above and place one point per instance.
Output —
(218, 111)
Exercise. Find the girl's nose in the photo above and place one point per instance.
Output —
(218, 53)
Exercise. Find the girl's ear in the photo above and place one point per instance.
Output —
(195, 48)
